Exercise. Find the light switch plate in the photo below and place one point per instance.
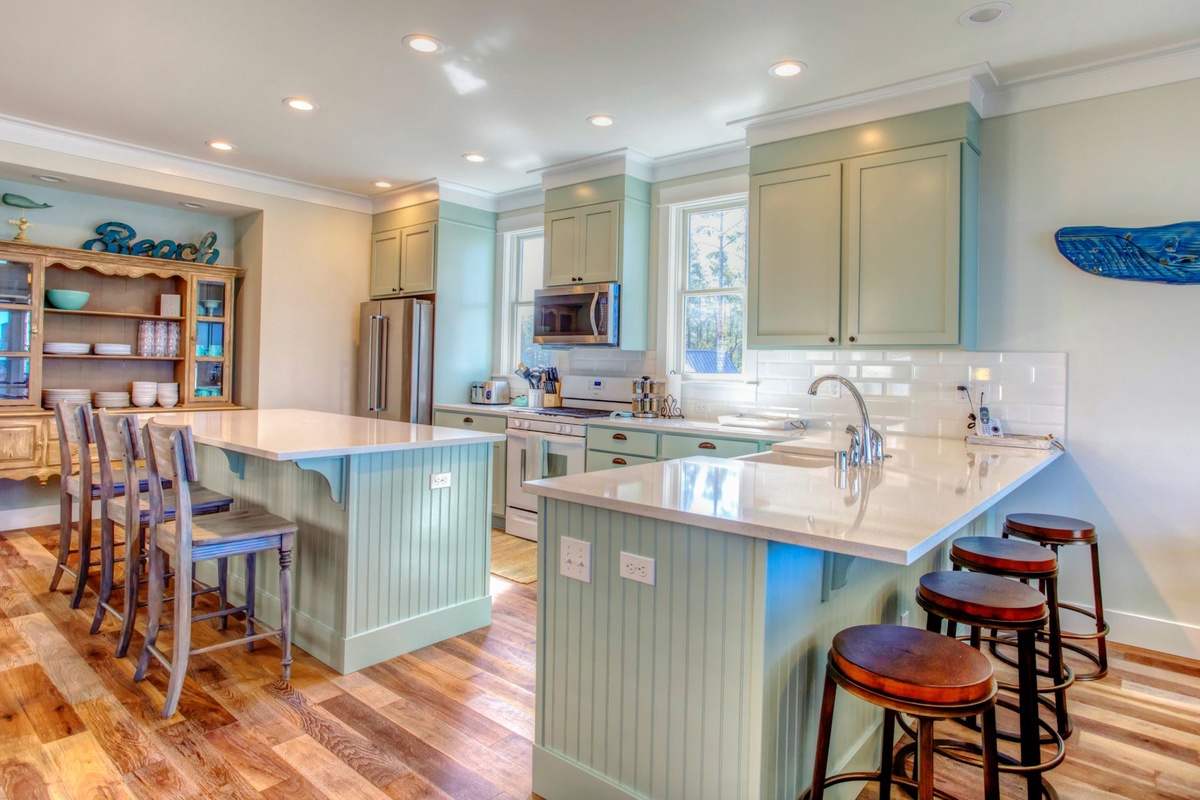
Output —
(439, 480)
(637, 568)
(575, 559)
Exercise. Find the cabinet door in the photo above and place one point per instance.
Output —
(600, 245)
(20, 332)
(385, 264)
(674, 446)
(902, 272)
(418, 258)
(21, 444)
(794, 281)
(499, 477)
(562, 247)
(209, 359)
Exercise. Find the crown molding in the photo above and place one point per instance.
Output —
(518, 199)
(1116, 76)
(966, 85)
(602, 165)
(701, 160)
(434, 189)
(73, 143)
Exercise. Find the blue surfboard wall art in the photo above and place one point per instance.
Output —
(1166, 254)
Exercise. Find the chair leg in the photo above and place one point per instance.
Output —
(1057, 672)
(251, 595)
(134, 547)
(64, 538)
(991, 761)
(223, 588)
(824, 731)
(85, 549)
(107, 566)
(1101, 644)
(285, 608)
(885, 762)
(924, 765)
(1027, 689)
(933, 623)
(182, 637)
(156, 589)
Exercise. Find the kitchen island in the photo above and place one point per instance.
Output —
(384, 563)
(707, 684)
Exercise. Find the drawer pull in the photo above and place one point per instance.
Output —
(468, 420)
(707, 446)
(620, 461)
(620, 437)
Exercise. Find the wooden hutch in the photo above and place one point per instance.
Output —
(125, 291)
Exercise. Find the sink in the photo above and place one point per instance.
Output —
(803, 460)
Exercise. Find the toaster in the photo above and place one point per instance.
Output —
(489, 393)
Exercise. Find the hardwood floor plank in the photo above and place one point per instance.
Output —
(13, 650)
(190, 753)
(368, 691)
(126, 742)
(85, 770)
(48, 711)
(488, 662)
(296, 787)
(160, 779)
(69, 673)
(326, 770)
(27, 773)
(252, 758)
(273, 722)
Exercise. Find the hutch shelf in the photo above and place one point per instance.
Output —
(124, 291)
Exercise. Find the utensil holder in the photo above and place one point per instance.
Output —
(537, 398)
(551, 400)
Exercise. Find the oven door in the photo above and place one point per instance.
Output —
(565, 455)
(577, 315)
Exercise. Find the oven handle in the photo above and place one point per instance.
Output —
(554, 438)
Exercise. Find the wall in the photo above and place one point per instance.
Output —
(1123, 160)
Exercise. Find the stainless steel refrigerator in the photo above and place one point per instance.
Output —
(395, 361)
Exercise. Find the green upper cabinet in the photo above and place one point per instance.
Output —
(876, 247)
(599, 232)
(404, 261)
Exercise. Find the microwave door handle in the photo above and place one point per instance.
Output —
(592, 314)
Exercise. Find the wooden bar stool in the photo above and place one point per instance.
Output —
(1054, 532)
(982, 601)
(907, 671)
(1024, 561)
(117, 439)
(172, 455)
(74, 422)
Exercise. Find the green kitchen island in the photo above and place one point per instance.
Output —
(707, 684)
(384, 564)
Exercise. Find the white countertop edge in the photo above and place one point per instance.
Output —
(886, 554)
(336, 452)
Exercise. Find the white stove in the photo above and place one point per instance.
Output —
(559, 437)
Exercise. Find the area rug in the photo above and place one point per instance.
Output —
(513, 558)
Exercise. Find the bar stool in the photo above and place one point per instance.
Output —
(1024, 561)
(1053, 532)
(907, 671)
(117, 440)
(172, 455)
(981, 601)
(74, 422)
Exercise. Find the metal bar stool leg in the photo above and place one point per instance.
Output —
(1101, 626)
(821, 764)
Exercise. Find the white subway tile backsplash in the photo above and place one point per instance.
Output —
(895, 372)
(959, 373)
(969, 357)
(1050, 375)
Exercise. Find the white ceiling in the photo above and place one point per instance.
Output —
(517, 78)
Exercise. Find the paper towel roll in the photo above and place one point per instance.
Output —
(674, 385)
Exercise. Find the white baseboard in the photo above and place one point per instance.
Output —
(19, 518)
(1160, 635)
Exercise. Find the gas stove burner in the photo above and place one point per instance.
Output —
(566, 411)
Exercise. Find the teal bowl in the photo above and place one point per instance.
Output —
(66, 299)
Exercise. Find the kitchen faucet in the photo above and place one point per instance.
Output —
(867, 444)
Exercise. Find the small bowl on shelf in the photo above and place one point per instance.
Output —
(67, 299)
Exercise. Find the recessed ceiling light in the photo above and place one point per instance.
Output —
(984, 14)
(475, 158)
(300, 104)
(191, 204)
(601, 120)
(222, 146)
(382, 184)
(786, 69)
(51, 178)
(423, 44)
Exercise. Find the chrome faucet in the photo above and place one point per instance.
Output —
(866, 446)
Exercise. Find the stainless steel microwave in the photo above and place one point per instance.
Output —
(586, 314)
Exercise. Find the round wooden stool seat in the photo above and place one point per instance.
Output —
(984, 597)
(992, 554)
(914, 665)
(1051, 528)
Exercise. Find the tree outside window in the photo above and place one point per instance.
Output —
(525, 254)
(713, 289)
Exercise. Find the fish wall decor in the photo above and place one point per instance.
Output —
(1163, 254)
(20, 201)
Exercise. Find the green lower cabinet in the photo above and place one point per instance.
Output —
(623, 441)
(598, 460)
(492, 423)
(675, 446)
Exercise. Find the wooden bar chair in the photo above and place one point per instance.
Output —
(74, 421)
(171, 455)
(118, 439)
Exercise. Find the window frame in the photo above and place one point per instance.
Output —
(678, 260)
(510, 298)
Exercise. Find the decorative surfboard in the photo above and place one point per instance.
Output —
(1166, 254)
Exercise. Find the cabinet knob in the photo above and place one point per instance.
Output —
(854, 338)
(832, 340)
(468, 420)
(620, 461)
(707, 446)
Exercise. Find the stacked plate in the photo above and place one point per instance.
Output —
(168, 394)
(113, 349)
(66, 348)
(144, 393)
(111, 399)
(52, 397)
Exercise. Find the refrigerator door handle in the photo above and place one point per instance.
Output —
(372, 363)
(382, 379)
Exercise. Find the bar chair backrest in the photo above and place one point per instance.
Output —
(74, 421)
(117, 440)
(171, 456)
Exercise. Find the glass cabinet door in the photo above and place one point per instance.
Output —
(210, 346)
(19, 370)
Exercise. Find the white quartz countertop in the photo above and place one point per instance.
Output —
(897, 512)
(289, 434)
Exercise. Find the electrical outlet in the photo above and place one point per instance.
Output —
(637, 568)
(906, 619)
(964, 395)
(439, 480)
(703, 408)
(575, 559)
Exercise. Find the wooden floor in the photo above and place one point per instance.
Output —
(513, 558)
(454, 720)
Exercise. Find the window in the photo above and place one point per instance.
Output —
(711, 279)
(523, 269)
